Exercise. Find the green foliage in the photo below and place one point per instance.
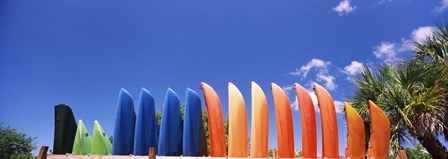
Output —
(298, 154)
(434, 48)
(270, 153)
(159, 117)
(207, 134)
(418, 152)
(14, 144)
(413, 94)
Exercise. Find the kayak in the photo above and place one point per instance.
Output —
(123, 138)
(283, 116)
(215, 122)
(237, 123)
(260, 120)
(170, 141)
(330, 145)
(146, 134)
(82, 143)
(64, 129)
(100, 143)
(379, 133)
(193, 134)
(355, 133)
(308, 119)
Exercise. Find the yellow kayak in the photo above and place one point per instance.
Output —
(283, 116)
(380, 133)
(237, 123)
(260, 127)
(330, 146)
(355, 134)
(215, 122)
(308, 119)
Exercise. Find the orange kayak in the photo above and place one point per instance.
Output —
(215, 122)
(237, 123)
(283, 116)
(330, 146)
(380, 133)
(260, 127)
(308, 118)
(355, 134)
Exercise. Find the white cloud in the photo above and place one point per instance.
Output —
(288, 89)
(314, 99)
(295, 104)
(339, 106)
(386, 51)
(354, 68)
(421, 33)
(406, 45)
(319, 64)
(383, 1)
(322, 75)
(344, 7)
(327, 79)
(443, 5)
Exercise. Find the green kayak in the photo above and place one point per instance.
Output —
(82, 143)
(100, 143)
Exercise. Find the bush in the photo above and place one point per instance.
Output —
(14, 144)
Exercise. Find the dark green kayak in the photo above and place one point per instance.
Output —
(64, 129)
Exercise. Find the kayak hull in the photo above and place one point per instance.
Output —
(170, 142)
(82, 143)
(64, 129)
(283, 116)
(146, 134)
(308, 119)
(100, 142)
(380, 133)
(193, 135)
(215, 122)
(237, 123)
(260, 127)
(123, 138)
(330, 145)
(355, 134)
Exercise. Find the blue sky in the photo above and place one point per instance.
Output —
(82, 52)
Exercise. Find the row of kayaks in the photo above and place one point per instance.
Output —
(134, 133)
(75, 139)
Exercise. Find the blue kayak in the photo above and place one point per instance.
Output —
(123, 140)
(193, 135)
(146, 133)
(170, 141)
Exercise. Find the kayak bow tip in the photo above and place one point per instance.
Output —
(191, 91)
(230, 84)
(203, 84)
(124, 92)
(273, 85)
(144, 89)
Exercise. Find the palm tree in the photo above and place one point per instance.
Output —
(434, 50)
(411, 95)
